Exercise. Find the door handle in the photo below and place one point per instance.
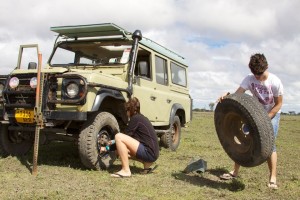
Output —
(152, 98)
(169, 100)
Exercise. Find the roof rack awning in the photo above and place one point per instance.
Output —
(91, 30)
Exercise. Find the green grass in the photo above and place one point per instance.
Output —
(62, 176)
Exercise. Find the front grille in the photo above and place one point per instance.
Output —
(21, 97)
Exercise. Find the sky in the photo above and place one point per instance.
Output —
(216, 37)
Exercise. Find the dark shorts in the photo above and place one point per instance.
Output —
(143, 154)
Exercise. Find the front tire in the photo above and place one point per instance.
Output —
(14, 143)
(96, 132)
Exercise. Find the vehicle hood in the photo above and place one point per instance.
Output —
(57, 70)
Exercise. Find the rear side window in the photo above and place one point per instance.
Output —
(161, 70)
(178, 74)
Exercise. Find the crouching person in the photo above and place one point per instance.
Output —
(139, 141)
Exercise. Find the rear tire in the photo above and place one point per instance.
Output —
(171, 139)
(96, 132)
(251, 148)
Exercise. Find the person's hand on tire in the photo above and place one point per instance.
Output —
(222, 97)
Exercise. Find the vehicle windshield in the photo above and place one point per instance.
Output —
(91, 53)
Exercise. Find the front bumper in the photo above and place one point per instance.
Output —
(59, 115)
(65, 116)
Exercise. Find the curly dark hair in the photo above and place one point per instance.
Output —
(133, 106)
(258, 64)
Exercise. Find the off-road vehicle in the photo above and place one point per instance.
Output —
(91, 72)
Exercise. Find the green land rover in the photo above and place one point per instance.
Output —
(79, 95)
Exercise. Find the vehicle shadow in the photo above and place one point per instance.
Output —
(210, 178)
(63, 154)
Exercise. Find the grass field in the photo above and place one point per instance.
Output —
(62, 176)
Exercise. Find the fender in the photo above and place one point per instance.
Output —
(174, 109)
(102, 94)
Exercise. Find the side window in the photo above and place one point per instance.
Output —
(161, 70)
(143, 67)
(178, 74)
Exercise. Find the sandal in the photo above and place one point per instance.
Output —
(117, 175)
(273, 185)
(149, 170)
(227, 176)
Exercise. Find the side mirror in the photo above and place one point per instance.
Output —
(32, 65)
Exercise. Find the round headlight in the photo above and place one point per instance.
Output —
(72, 90)
(33, 82)
(14, 82)
(1, 89)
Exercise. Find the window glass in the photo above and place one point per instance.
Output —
(63, 56)
(143, 64)
(161, 70)
(178, 74)
(91, 53)
(29, 55)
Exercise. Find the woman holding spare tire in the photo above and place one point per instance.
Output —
(139, 141)
(268, 89)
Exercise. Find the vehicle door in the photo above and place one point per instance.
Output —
(143, 87)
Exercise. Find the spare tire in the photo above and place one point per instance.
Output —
(250, 147)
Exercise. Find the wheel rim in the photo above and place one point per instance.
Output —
(103, 137)
(175, 133)
(17, 137)
(234, 133)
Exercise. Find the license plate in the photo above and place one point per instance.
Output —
(24, 116)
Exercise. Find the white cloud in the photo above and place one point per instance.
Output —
(216, 37)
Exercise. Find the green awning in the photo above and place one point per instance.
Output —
(91, 30)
